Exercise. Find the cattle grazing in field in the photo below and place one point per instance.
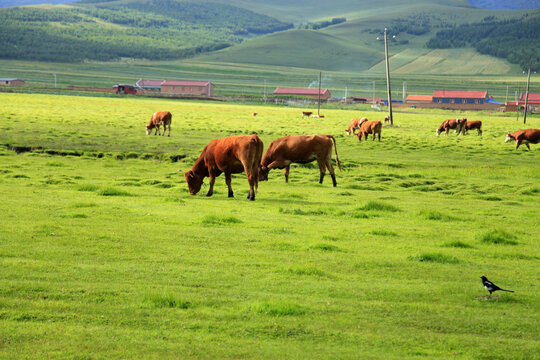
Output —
(159, 118)
(470, 125)
(354, 125)
(230, 155)
(253, 114)
(528, 136)
(387, 119)
(369, 127)
(306, 113)
(456, 124)
(300, 149)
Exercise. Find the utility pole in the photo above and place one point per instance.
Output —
(506, 101)
(517, 105)
(527, 95)
(404, 90)
(388, 79)
(373, 97)
(319, 100)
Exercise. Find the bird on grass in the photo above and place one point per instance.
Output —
(491, 287)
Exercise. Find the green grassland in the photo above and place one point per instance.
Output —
(104, 253)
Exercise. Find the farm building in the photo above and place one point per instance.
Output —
(11, 82)
(460, 97)
(187, 87)
(533, 102)
(149, 85)
(365, 100)
(419, 99)
(311, 93)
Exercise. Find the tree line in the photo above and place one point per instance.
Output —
(513, 39)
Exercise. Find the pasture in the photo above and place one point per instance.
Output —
(104, 254)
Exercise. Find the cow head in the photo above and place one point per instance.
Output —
(508, 138)
(149, 129)
(194, 182)
(348, 131)
(263, 173)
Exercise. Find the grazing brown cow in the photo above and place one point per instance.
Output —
(230, 155)
(300, 149)
(306, 113)
(456, 124)
(527, 136)
(254, 114)
(469, 125)
(369, 127)
(159, 118)
(387, 119)
(354, 125)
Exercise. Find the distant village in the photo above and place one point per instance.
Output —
(441, 99)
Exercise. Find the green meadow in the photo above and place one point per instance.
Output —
(105, 255)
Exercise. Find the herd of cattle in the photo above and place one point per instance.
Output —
(237, 154)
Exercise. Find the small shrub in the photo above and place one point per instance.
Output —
(220, 220)
(498, 237)
(278, 309)
(379, 206)
(436, 258)
(113, 192)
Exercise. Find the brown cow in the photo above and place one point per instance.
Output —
(306, 113)
(527, 136)
(456, 124)
(387, 119)
(159, 118)
(230, 155)
(354, 125)
(469, 125)
(300, 149)
(369, 127)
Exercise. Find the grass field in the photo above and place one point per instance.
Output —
(104, 254)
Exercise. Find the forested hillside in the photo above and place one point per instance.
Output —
(517, 40)
(156, 29)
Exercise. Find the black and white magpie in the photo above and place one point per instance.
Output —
(491, 287)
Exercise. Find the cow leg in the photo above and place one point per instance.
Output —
(286, 173)
(528, 147)
(169, 130)
(211, 185)
(331, 171)
(379, 136)
(518, 142)
(228, 182)
(157, 130)
(373, 136)
(322, 168)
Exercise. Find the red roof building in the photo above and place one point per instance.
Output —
(416, 99)
(460, 97)
(187, 87)
(312, 93)
(534, 99)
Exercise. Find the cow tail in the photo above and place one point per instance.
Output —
(335, 149)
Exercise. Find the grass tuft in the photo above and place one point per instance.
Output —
(531, 191)
(306, 270)
(87, 187)
(498, 237)
(168, 301)
(220, 220)
(383, 233)
(436, 258)
(458, 244)
(113, 192)
(324, 247)
(436, 215)
(379, 206)
(280, 308)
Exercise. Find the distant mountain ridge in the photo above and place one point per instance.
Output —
(506, 4)
(7, 3)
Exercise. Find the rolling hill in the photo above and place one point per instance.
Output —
(255, 32)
